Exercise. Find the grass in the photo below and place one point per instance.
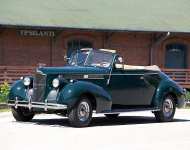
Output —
(187, 107)
(3, 107)
(4, 110)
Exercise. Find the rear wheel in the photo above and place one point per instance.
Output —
(22, 114)
(81, 114)
(167, 110)
(112, 116)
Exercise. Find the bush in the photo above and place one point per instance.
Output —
(188, 96)
(4, 91)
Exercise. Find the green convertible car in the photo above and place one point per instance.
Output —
(95, 81)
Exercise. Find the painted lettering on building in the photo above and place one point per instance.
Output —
(39, 33)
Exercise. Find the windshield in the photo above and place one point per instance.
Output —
(78, 58)
(95, 58)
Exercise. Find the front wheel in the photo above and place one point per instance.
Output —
(22, 114)
(81, 114)
(167, 110)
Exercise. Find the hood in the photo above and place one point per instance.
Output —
(74, 70)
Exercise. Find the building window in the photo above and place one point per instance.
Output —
(74, 45)
(175, 56)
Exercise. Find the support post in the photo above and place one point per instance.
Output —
(156, 43)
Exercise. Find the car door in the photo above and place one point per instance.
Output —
(128, 87)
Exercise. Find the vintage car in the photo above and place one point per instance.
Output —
(95, 81)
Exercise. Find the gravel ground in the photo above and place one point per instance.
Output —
(132, 131)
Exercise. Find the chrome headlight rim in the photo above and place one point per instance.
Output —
(55, 83)
(26, 81)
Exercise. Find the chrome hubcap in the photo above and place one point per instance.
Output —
(83, 111)
(168, 107)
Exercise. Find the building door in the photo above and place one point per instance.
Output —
(175, 56)
(74, 45)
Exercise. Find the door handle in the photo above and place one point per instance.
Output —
(142, 77)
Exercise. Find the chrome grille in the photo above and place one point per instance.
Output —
(39, 87)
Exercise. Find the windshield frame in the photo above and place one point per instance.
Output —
(90, 54)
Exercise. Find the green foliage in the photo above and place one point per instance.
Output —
(4, 91)
(4, 110)
(188, 95)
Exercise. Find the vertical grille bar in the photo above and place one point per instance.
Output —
(39, 87)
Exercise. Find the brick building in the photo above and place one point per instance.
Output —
(33, 32)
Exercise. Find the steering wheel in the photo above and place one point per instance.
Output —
(104, 64)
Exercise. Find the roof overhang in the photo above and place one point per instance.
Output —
(101, 15)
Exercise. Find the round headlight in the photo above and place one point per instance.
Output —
(55, 83)
(26, 81)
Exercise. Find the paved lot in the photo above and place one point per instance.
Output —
(131, 131)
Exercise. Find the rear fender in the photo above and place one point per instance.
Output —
(165, 87)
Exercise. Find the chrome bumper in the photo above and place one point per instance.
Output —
(28, 104)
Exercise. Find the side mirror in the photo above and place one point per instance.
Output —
(119, 63)
(120, 59)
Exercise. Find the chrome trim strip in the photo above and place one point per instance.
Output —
(135, 74)
(82, 75)
(93, 78)
(102, 78)
(128, 110)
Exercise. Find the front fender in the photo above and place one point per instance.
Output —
(17, 90)
(71, 92)
(165, 87)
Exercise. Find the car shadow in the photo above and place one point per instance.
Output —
(103, 121)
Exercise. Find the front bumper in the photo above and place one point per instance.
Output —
(28, 104)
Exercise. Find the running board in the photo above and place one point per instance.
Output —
(114, 111)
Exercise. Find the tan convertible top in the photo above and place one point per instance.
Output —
(131, 67)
